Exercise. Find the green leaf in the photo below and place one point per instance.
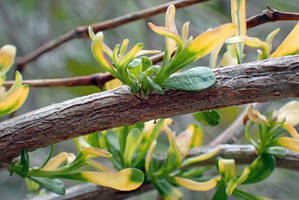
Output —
(146, 63)
(149, 84)
(54, 185)
(220, 193)
(135, 67)
(167, 190)
(195, 79)
(208, 118)
(261, 168)
(93, 139)
(132, 143)
(25, 163)
(242, 195)
(49, 156)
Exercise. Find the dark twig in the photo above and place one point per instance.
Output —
(82, 31)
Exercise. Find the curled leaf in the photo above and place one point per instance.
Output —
(197, 186)
(7, 57)
(125, 180)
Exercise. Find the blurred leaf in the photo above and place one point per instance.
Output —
(54, 185)
(220, 193)
(167, 190)
(197, 186)
(242, 195)
(208, 118)
(261, 168)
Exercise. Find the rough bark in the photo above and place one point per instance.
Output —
(251, 82)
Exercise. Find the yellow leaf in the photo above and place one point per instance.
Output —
(92, 152)
(291, 130)
(290, 45)
(150, 155)
(124, 180)
(112, 84)
(99, 166)
(226, 167)
(208, 155)
(197, 186)
(238, 12)
(167, 33)
(131, 54)
(14, 100)
(170, 25)
(55, 162)
(256, 116)
(7, 57)
(289, 143)
(288, 113)
(197, 138)
(97, 47)
(206, 42)
(183, 141)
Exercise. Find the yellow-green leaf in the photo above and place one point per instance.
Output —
(112, 84)
(288, 113)
(290, 45)
(167, 33)
(124, 180)
(183, 141)
(150, 155)
(97, 48)
(197, 186)
(170, 25)
(55, 162)
(289, 143)
(226, 168)
(238, 12)
(93, 152)
(131, 54)
(291, 129)
(14, 100)
(206, 42)
(197, 138)
(7, 57)
(192, 160)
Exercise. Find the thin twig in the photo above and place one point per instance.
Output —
(82, 31)
(242, 154)
(260, 81)
(271, 15)
(265, 16)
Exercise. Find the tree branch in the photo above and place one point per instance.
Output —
(243, 154)
(82, 31)
(265, 16)
(250, 82)
(271, 15)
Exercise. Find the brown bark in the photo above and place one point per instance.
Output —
(250, 82)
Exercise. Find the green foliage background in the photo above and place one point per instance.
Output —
(27, 24)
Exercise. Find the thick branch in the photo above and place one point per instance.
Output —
(82, 31)
(243, 154)
(250, 82)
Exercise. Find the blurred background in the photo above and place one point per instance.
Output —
(28, 24)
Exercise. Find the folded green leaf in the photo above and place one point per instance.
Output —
(208, 118)
(167, 190)
(260, 169)
(54, 185)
